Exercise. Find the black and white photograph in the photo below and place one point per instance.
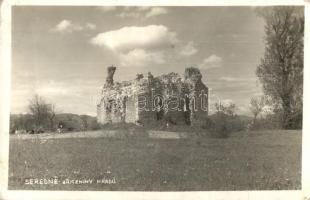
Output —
(156, 98)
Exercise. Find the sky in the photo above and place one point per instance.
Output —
(61, 52)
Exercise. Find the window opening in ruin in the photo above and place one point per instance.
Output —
(159, 109)
(187, 112)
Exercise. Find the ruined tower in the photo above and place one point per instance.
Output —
(168, 98)
(109, 80)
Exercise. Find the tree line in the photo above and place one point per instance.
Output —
(42, 117)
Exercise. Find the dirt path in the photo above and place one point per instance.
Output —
(82, 134)
(97, 134)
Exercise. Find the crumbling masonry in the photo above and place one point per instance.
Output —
(167, 98)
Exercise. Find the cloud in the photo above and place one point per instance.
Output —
(189, 49)
(65, 94)
(140, 8)
(135, 46)
(234, 79)
(67, 26)
(107, 8)
(226, 102)
(51, 91)
(155, 11)
(212, 61)
(140, 57)
(142, 12)
(91, 26)
(129, 14)
(133, 37)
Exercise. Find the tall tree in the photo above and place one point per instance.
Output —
(42, 112)
(281, 69)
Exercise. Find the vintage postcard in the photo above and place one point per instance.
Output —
(150, 99)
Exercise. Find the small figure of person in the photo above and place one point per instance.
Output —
(59, 129)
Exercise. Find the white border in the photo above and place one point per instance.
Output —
(306, 109)
(160, 2)
(5, 86)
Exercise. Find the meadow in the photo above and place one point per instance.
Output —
(247, 160)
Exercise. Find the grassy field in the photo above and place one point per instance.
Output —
(261, 160)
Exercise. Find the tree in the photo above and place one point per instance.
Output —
(21, 122)
(51, 115)
(42, 112)
(228, 109)
(281, 69)
(225, 120)
(257, 105)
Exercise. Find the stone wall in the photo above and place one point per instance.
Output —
(196, 88)
(167, 98)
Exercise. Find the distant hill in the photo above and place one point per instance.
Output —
(68, 121)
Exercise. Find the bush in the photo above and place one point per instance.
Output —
(94, 125)
(70, 122)
(237, 124)
(271, 121)
(221, 124)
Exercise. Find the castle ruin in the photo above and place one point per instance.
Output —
(167, 98)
